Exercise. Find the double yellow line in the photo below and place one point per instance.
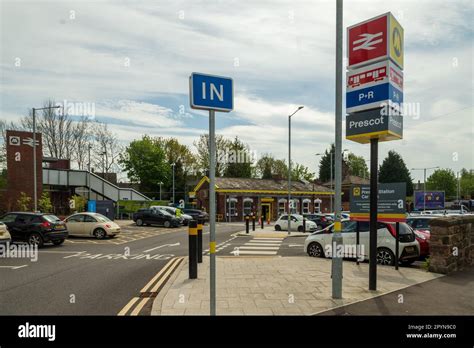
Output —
(151, 289)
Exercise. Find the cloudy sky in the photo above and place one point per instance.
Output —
(132, 60)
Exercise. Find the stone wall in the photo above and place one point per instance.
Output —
(451, 243)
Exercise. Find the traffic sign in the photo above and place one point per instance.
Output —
(383, 124)
(433, 200)
(390, 205)
(209, 92)
(374, 74)
(374, 97)
(374, 40)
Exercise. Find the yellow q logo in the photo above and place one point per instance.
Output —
(356, 191)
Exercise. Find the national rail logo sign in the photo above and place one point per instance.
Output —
(374, 40)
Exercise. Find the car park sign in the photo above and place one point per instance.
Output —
(209, 92)
(374, 97)
(433, 200)
(390, 204)
(374, 40)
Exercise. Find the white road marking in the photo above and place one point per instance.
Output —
(162, 246)
(258, 247)
(295, 245)
(263, 245)
(14, 267)
(61, 252)
(256, 252)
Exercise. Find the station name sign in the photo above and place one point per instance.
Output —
(390, 203)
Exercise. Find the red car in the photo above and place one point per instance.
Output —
(420, 225)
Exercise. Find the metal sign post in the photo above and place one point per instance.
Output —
(373, 214)
(209, 92)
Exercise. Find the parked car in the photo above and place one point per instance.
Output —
(196, 214)
(319, 219)
(155, 217)
(296, 223)
(183, 218)
(35, 228)
(409, 250)
(421, 226)
(91, 225)
(5, 236)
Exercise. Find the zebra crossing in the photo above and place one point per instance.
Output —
(263, 246)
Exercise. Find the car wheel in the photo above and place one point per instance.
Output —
(277, 228)
(100, 233)
(167, 224)
(315, 250)
(35, 239)
(385, 257)
(58, 241)
(139, 222)
(300, 228)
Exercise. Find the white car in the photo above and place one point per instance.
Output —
(4, 234)
(91, 225)
(296, 223)
(184, 218)
(318, 244)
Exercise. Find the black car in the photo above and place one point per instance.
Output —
(155, 217)
(320, 220)
(196, 214)
(35, 228)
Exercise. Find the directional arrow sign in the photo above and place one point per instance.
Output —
(14, 267)
(162, 246)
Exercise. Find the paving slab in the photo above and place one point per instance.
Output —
(277, 286)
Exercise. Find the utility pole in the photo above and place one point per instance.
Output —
(173, 165)
(336, 236)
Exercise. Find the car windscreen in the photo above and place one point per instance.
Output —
(101, 218)
(404, 228)
(51, 218)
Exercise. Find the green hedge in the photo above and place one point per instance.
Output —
(126, 206)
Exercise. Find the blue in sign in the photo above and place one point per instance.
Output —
(372, 97)
(210, 92)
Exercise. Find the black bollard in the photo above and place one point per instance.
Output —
(192, 234)
(304, 225)
(253, 222)
(247, 223)
(200, 223)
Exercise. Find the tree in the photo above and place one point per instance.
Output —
(106, 148)
(144, 161)
(268, 167)
(325, 165)
(44, 203)
(79, 203)
(357, 165)
(202, 146)
(393, 169)
(467, 183)
(442, 180)
(301, 172)
(239, 161)
(24, 202)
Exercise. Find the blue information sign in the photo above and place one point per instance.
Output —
(373, 97)
(91, 206)
(209, 92)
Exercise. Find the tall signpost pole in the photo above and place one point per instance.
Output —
(336, 237)
(212, 210)
(212, 93)
(373, 214)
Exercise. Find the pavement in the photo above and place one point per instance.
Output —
(275, 285)
(449, 295)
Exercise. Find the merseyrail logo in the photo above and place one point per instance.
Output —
(356, 191)
(396, 41)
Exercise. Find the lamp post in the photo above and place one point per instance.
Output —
(103, 174)
(35, 184)
(89, 171)
(160, 183)
(173, 165)
(424, 183)
(289, 167)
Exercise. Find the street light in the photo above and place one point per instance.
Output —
(289, 167)
(89, 171)
(173, 165)
(424, 183)
(35, 184)
(103, 174)
(160, 183)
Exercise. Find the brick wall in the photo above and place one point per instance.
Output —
(451, 243)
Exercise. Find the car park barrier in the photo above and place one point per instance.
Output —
(200, 223)
(192, 241)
